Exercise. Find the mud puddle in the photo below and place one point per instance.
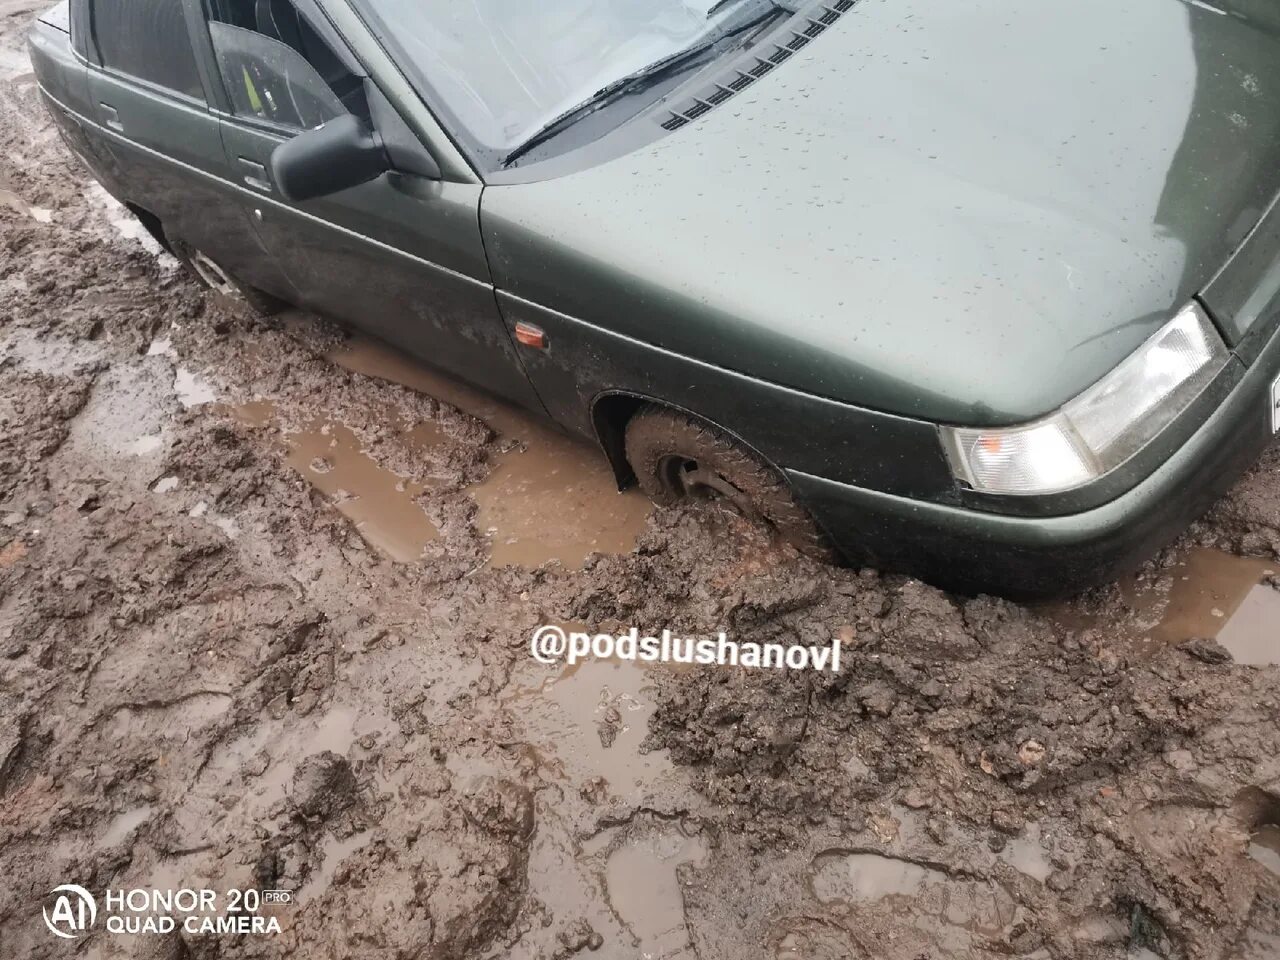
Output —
(334, 852)
(867, 877)
(582, 728)
(1265, 848)
(592, 718)
(642, 882)
(849, 882)
(124, 824)
(191, 389)
(1209, 594)
(266, 757)
(125, 226)
(382, 504)
(553, 498)
(1026, 854)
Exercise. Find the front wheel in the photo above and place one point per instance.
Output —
(209, 273)
(675, 457)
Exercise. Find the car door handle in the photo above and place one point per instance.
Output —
(112, 117)
(256, 176)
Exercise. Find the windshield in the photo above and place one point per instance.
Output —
(504, 69)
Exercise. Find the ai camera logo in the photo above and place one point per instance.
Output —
(74, 911)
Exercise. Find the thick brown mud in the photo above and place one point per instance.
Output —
(548, 497)
(266, 591)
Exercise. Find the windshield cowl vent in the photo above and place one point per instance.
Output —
(741, 77)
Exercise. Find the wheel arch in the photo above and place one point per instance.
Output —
(612, 410)
(770, 496)
(153, 224)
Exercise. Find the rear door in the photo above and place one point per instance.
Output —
(64, 80)
(154, 136)
(400, 257)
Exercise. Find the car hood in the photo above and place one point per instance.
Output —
(965, 213)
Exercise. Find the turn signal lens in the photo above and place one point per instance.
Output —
(1023, 460)
(531, 336)
(1104, 426)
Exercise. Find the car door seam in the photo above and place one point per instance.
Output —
(258, 198)
(497, 304)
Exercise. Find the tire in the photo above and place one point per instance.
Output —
(676, 457)
(210, 275)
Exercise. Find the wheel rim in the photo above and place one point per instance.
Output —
(685, 477)
(214, 275)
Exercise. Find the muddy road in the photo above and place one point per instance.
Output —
(266, 591)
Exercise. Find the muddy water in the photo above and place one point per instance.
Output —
(334, 852)
(191, 389)
(643, 888)
(542, 505)
(1213, 595)
(555, 499)
(593, 716)
(1253, 632)
(584, 725)
(281, 745)
(1026, 855)
(123, 825)
(867, 877)
(850, 881)
(382, 505)
(1265, 847)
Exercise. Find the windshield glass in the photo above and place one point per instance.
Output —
(506, 68)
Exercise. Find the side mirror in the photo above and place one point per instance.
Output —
(341, 154)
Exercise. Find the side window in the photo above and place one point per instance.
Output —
(147, 39)
(277, 68)
(270, 81)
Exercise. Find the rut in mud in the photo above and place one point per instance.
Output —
(265, 596)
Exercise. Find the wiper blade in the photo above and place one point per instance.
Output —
(635, 82)
(718, 6)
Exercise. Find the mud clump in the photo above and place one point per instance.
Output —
(1207, 650)
(940, 731)
(1247, 520)
(445, 885)
(35, 418)
(500, 807)
(323, 785)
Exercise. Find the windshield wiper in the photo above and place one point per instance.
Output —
(718, 6)
(638, 81)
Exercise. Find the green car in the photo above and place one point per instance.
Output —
(987, 292)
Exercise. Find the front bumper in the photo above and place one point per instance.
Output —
(1032, 557)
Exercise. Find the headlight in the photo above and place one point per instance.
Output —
(1104, 426)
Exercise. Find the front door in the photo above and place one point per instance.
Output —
(400, 257)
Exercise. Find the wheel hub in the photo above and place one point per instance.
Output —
(691, 479)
